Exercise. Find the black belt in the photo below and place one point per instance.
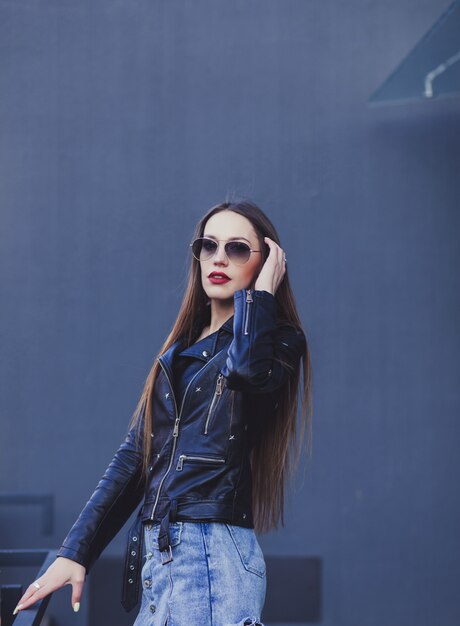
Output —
(135, 550)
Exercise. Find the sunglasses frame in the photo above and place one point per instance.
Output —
(225, 249)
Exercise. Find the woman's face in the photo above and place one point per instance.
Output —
(225, 226)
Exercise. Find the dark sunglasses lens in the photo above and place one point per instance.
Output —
(203, 248)
(237, 251)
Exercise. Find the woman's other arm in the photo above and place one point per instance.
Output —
(116, 496)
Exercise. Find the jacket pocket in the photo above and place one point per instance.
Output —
(216, 398)
(248, 549)
(196, 458)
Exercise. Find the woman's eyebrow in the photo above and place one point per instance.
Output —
(230, 239)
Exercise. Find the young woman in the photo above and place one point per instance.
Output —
(207, 452)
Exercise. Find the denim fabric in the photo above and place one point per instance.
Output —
(217, 577)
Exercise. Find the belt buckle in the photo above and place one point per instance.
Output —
(170, 556)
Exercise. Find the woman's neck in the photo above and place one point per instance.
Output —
(221, 311)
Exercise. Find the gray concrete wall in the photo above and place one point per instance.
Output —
(120, 124)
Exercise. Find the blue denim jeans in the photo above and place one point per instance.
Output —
(217, 577)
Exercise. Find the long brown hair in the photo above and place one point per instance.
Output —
(270, 478)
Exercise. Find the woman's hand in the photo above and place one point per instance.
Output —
(273, 270)
(61, 572)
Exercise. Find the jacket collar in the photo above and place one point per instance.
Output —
(228, 325)
(168, 356)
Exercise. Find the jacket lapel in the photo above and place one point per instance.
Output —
(167, 357)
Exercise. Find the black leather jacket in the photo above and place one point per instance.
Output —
(200, 449)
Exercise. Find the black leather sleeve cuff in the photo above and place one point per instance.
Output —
(262, 354)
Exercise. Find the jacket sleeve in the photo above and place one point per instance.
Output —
(258, 341)
(115, 498)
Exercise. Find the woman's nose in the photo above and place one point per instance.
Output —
(220, 256)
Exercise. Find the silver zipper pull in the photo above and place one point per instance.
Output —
(248, 301)
(180, 462)
(176, 427)
(217, 392)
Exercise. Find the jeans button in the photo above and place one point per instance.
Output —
(153, 608)
(147, 583)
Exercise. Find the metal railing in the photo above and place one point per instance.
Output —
(10, 594)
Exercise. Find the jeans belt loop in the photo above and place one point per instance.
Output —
(164, 540)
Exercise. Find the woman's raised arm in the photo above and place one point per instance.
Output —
(258, 342)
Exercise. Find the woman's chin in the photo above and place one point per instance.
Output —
(222, 296)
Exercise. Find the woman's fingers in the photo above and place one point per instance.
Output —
(33, 595)
(61, 572)
(273, 269)
(279, 261)
(77, 591)
(31, 592)
(277, 250)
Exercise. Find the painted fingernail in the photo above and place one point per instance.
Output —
(18, 608)
(76, 607)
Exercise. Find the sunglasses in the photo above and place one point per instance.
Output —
(237, 251)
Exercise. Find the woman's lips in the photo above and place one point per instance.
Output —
(218, 280)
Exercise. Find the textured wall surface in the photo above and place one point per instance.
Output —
(120, 124)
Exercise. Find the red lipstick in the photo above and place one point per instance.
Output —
(218, 278)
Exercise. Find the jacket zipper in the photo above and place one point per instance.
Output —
(215, 400)
(175, 434)
(248, 302)
(189, 457)
(232, 391)
(176, 425)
